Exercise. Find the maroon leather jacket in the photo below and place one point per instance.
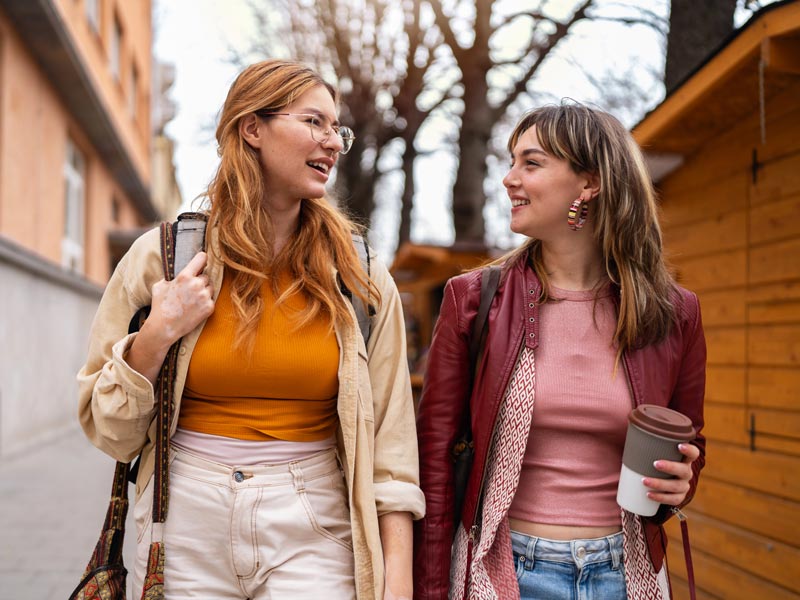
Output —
(670, 373)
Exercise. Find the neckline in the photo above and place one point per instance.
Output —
(558, 293)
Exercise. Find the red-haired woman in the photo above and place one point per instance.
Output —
(293, 468)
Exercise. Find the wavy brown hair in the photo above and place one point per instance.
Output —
(625, 213)
(323, 240)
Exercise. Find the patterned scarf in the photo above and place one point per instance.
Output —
(491, 574)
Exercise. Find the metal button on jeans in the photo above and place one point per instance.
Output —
(581, 552)
(238, 476)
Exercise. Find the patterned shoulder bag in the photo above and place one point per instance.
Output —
(105, 575)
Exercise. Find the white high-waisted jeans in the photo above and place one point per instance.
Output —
(275, 532)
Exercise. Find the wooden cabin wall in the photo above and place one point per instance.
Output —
(731, 217)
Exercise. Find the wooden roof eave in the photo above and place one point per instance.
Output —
(770, 37)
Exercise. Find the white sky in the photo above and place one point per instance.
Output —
(196, 36)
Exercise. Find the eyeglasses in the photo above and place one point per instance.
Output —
(320, 128)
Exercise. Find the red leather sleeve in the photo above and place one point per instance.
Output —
(441, 410)
(689, 392)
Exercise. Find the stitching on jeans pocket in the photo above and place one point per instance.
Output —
(322, 488)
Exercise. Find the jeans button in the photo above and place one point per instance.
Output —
(238, 476)
(581, 552)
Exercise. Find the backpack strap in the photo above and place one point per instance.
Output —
(180, 241)
(188, 238)
(189, 232)
(189, 235)
(364, 311)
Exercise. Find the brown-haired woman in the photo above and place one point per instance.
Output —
(293, 467)
(588, 322)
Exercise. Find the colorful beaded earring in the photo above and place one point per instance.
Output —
(578, 211)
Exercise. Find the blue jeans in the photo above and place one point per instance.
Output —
(569, 570)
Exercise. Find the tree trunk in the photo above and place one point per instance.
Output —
(473, 143)
(695, 30)
(355, 190)
(409, 154)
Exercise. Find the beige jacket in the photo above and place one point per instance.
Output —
(377, 433)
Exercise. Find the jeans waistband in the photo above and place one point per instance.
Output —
(578, 552)
(285, 473)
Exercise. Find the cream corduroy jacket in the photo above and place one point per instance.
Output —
(377, 434)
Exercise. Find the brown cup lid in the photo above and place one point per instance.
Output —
(662, 421)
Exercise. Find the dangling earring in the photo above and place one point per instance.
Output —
(576, 216)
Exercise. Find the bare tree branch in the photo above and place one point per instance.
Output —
(640, 10)
(443, 23)
(535, 15)
(656, 25)
(543, 51)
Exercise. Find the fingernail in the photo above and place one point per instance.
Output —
(657, 464)
(681, 446)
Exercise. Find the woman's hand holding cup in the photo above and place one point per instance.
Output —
(657, 459)
(673, 491)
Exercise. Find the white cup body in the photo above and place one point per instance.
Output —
(632, 494)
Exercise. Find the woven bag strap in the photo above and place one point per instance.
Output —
(165, 390)
(118, 508)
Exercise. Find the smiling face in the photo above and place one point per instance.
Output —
(541, 188)
(295, 166)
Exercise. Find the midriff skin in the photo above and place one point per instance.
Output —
(562, 532)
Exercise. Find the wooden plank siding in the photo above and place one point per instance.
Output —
(732, 234)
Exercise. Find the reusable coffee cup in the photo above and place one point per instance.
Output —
(654, 433)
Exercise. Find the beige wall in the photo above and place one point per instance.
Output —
(135, 21)
(47, 317)
(35, 127)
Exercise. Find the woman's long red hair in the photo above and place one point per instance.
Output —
(323, 240)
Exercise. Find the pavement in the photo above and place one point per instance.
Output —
(53, 499)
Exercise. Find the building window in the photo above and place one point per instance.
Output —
(115, 49)
(74, 201)
(93, 14)
(133, 90)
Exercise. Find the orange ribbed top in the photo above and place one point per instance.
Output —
(286, 390)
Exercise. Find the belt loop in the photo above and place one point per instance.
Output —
(297, 477)
(530, 552)
(615, 548)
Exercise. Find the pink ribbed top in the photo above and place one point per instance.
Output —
(571, 466)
